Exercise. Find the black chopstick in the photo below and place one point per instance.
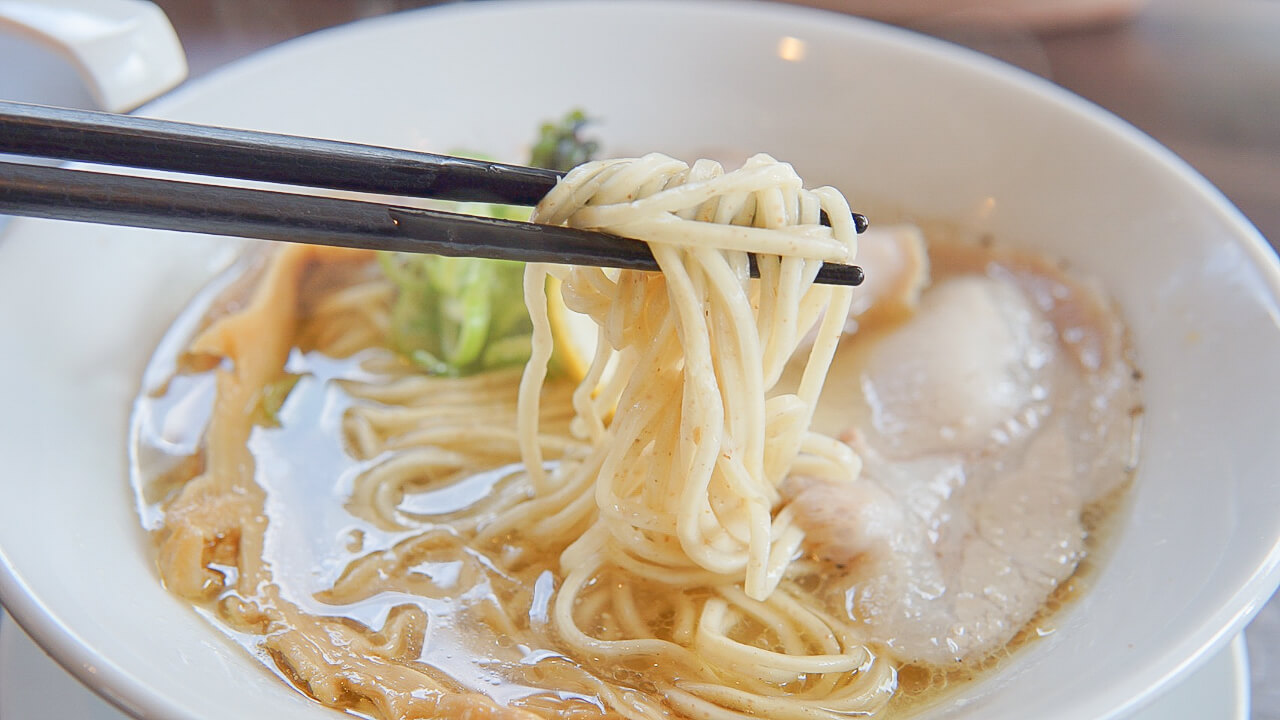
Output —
(79, 195)
(131, 141)
(128, 140)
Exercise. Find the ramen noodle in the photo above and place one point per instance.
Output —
(703, 525)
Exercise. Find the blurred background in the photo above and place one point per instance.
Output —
(1200, 76)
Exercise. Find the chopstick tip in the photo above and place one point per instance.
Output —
(837, 274)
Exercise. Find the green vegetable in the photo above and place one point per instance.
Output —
(450, 312)
(459, 316)
(560, 146)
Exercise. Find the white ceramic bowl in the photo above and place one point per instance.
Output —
(894, 119)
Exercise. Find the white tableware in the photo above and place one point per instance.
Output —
(34, 687)
(125, 50)
(908, 127)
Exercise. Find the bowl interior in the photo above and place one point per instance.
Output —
(907, 127)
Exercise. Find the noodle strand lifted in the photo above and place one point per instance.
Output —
(683, 479)
(618, 549)
(724, 447)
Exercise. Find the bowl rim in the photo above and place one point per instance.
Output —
(132, 695)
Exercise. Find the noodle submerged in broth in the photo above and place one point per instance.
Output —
(655, 539)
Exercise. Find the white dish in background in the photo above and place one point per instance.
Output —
(125, 52)
(34, 687)
(896, 120)
(93, 54)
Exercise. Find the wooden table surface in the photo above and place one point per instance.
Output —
(1200, 76)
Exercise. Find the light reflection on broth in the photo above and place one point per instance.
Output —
(373, 496)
